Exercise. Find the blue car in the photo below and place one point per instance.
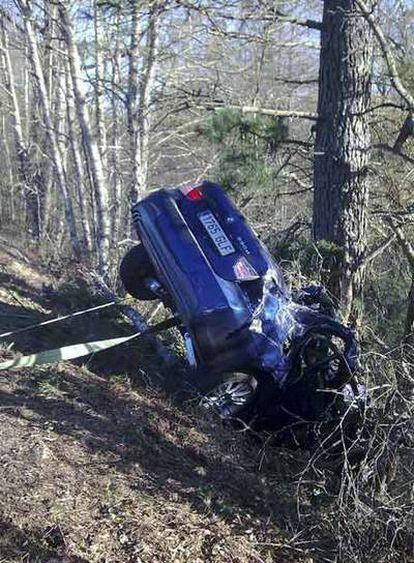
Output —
(256, 350)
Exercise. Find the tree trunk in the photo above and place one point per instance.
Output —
(50, 129)
(409, 319)
(117, 204)
(50, 60)
(27, 173)
(9, 165)
(342, 141)
(139, 98)
(79, 174)
(99, 84)
(90, 145)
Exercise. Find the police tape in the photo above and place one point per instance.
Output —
(82, 349)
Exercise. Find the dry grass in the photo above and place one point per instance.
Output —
(99, 463)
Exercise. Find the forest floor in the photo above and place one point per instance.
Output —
(100, 463)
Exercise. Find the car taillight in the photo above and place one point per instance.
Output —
(244, 271)
(192, 192)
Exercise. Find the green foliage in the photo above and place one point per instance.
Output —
(243, 169)
(276, 131)
(386, 297)
(248, 145)
(316, 261)
(384, 301)
(224, 123)
(220, 124)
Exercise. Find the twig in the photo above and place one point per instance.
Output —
(387, 54)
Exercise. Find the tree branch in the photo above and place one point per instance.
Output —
(277, 15)
(406, 131)
(407, 128)
(388, 148)
(405, 244)
(377, 250)
(261, 111)
(304, 22)
(387, 54)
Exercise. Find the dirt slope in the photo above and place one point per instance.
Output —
(99, 464)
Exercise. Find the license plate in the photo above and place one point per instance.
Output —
(217, 235)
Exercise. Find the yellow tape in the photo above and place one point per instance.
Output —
(66, 352)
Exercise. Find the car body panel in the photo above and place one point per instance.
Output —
(215, 307)
(235, 324)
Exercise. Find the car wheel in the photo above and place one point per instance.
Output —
(230, 396)
(134, 270)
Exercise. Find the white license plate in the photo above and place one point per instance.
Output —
(217, 235)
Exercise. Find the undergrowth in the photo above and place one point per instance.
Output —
(102, 461)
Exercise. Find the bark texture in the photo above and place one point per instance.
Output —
(140, 94)
(91, 147)
(343, 140)
(28, 173)
(77, 164)
(51, 133)
(99, 83)
(117, 203)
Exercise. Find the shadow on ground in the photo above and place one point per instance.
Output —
(43, 545)
(124, 422)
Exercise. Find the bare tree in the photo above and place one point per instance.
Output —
(28, 171)
(117, 204)
(10, 169)
(90, 144)
(140, 91)
(99, 82)
(49, 125)
(78, 167)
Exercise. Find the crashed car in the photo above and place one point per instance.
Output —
(258, 352)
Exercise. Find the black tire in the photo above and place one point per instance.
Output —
(135, 268)
(238, 405)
